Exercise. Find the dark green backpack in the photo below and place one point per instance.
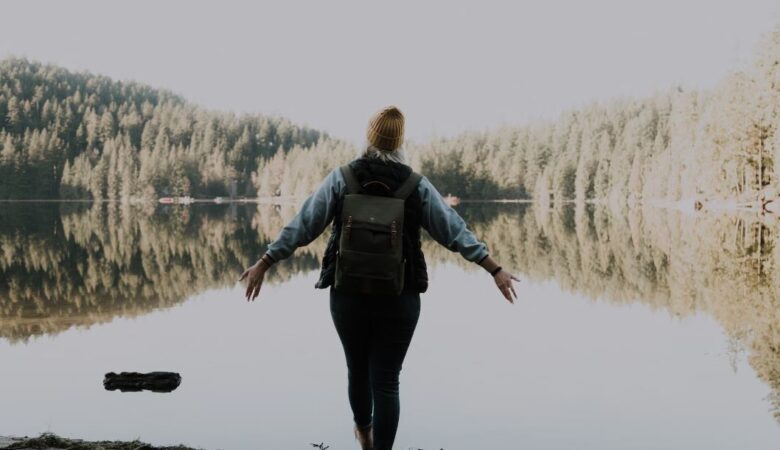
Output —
(370, 257)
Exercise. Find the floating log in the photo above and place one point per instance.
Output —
(134, 381)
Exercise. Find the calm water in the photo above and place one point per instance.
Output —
(634, 330)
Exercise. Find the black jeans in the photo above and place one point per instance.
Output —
(375, 333)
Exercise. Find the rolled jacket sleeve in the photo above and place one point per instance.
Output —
(314, 216)
(446, 226)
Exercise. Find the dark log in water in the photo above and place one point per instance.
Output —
(134, 381)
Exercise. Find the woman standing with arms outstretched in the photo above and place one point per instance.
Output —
(375, 306)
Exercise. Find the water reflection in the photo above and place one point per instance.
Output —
(66, 265)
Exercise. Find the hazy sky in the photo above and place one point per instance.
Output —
(450, 66)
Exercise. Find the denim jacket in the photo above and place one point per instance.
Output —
(442, 222)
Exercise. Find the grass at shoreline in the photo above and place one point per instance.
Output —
(49, 441)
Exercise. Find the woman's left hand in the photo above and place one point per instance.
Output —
(255, 276)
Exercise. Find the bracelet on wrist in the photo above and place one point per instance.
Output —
(495, 271)
(267, 260)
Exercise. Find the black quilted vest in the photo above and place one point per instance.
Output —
(391, 174)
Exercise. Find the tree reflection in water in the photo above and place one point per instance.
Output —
(69, 264)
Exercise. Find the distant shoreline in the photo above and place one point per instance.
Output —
(258, 200)
(769, 205)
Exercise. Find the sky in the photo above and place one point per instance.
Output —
(450, 66)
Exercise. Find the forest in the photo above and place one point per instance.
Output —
(78, 135)
(716, 145)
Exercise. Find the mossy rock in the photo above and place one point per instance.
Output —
(49, 441)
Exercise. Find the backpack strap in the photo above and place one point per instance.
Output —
(353, 186)
(408, 186)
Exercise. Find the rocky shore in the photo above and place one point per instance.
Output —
(48, 441)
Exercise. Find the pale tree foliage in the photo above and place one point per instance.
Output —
(681, 144)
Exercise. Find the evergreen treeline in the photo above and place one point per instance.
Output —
(78, 135)
(705, 145)
(709, 145)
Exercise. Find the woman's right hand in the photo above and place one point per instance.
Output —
(504, 283)
(255, 276)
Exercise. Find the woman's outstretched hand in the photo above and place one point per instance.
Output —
(502, 278)
(254, 276)
(504, 281)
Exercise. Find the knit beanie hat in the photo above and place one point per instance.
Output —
(386, 129)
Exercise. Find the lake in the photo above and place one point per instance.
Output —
(635, 329)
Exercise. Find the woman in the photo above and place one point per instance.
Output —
(376, 332)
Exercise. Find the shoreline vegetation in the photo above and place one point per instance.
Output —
(50, 441)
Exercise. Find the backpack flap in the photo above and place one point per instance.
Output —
(370, 256)
(370, 243)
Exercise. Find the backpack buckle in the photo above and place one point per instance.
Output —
(393, 232)
(348, 227)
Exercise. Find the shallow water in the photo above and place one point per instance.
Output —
(636, 330)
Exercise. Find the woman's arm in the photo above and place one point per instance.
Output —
(312, 219)
(314, 216)
(447, 228)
